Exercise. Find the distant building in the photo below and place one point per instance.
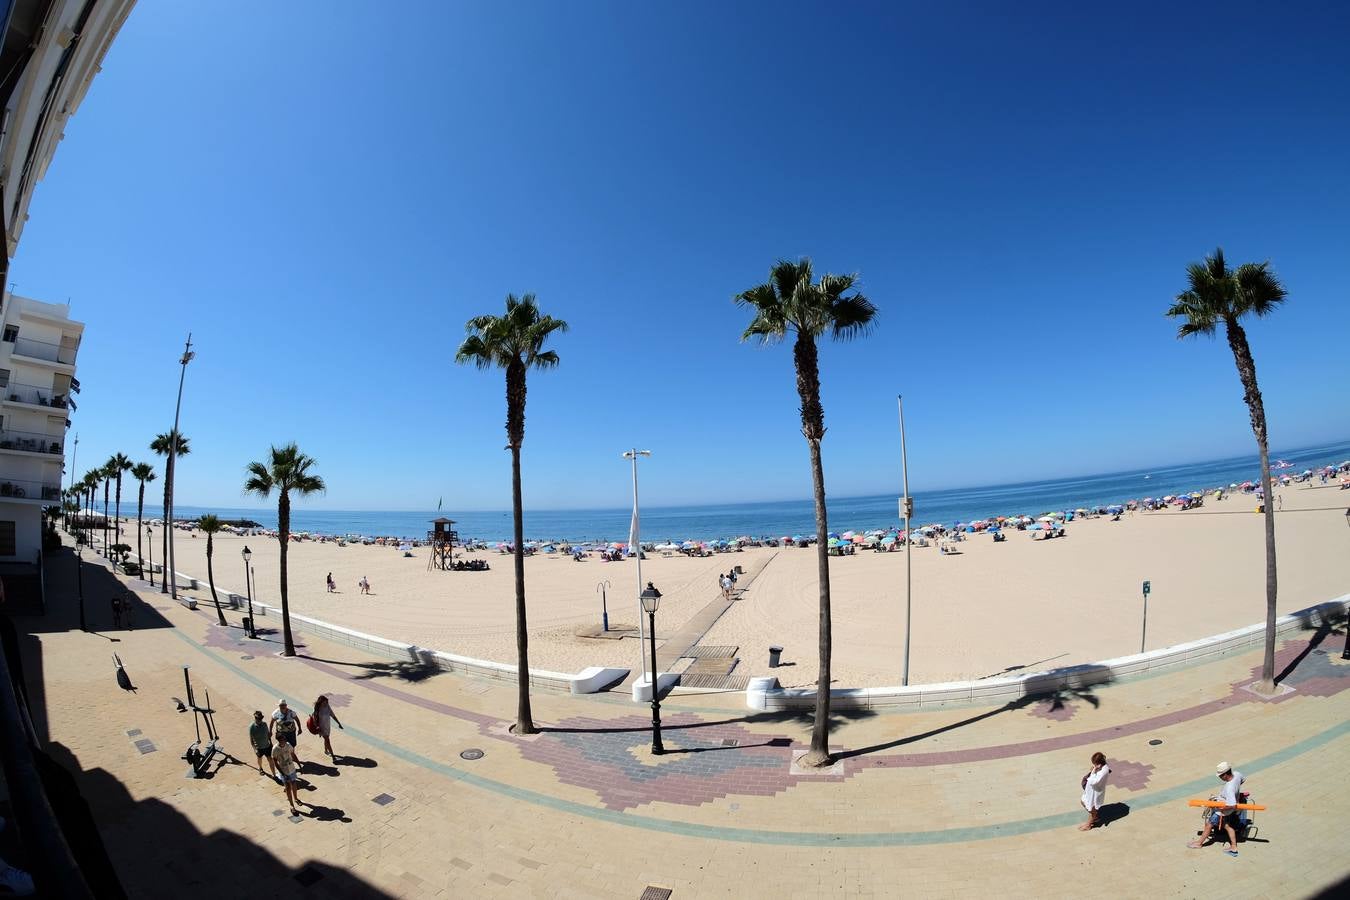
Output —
(38, 344)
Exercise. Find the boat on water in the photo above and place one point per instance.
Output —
(1282, 464)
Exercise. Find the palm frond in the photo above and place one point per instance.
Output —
(1258, 289)
(852, 317)
(259, 481)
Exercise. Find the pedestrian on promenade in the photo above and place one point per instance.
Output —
(261, 739)
(1220, 818)
(117, 611)
(323, 722)
(332, 585)
(364, 585)
(285, 726)
(289, 767)
(725, 582)
(129, 611)
(1094, 791)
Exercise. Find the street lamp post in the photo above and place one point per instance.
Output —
(906, 511)
(79, 580)
(651, 599)
(150, 540)
(171, 572)
(248, 582)
(603, 588)
(635, 537)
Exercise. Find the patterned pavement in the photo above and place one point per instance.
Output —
(951, 802)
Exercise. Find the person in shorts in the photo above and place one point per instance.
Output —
(261, 739)
(289, 768)
(285, 726)
(1219, 818)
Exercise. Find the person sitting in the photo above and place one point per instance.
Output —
(1223, 816)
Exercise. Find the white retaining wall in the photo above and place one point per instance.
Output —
(764, 694)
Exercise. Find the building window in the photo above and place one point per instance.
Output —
(7, 539)
(4, 378)
(11, 333)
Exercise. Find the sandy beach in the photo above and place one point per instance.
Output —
(990, 608)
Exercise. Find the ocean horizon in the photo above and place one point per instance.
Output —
(787, 517)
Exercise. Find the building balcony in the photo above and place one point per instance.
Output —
(31, 491)
(32, 395)
(30, 442)
(44, 351)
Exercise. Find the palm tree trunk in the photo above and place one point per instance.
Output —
(1246, 366)
(105, 518)
(140, 508)
(284, 533)
(164, 539)
(117, 512)
(813, 429)
(524, 719)
(211, 578)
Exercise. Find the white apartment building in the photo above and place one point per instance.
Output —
(38, 344)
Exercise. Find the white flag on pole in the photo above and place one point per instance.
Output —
(633, 547)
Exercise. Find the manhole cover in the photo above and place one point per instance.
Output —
(652, 892)
(471, 753)
(730, 742)
(245, 656)
(1155, 742)
(382, 799)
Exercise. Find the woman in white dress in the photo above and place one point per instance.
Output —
(1094, 791)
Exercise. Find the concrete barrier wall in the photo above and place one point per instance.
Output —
(764, 694)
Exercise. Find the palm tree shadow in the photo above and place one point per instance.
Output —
(1326, 626)
(403, 671)
(1056, 697)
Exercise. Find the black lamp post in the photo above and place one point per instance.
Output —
(602, 588)
(150, 542)
(651, 599)
(248, 555)
(79, 580)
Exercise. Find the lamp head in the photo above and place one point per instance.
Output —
(634, 454)
(651, 598)
(247, 553)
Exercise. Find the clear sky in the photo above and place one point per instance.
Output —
(323, 194)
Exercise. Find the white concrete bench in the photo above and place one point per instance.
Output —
(642, 688)
(596, 678)
(189, 602)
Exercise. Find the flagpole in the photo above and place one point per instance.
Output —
(906, 510)
(635, 546)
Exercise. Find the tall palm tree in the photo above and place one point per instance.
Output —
(514, 342)
(789, 302)
(161, 445)
(144, 473)
(106, 473)
(286, 470)
(210, 524)
(87, 485)
(118, 464)
(1220, 295)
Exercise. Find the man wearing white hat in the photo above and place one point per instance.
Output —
(1228, 795)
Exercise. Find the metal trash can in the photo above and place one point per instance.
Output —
(775, 653)
(740, 571)
(248, 625)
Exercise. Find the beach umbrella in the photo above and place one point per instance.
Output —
(1035, 527)
(833, 534)
(834, 542)
(861, 539)
(970, 529)
(1049, 519)
(1196, 495)
(888, 540)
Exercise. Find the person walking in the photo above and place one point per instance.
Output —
(284, 726)
(261, 739)
(284, 756)
(364, 585)
(332, 585)
(323, 723)
(1094, 791)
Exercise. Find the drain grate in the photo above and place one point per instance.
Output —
(135, 732)
(730, 742)
(1155, 742)
(145, 745)
(382, 799)
(471, 753)
(246, 656)
(308, 875)
(652, 892)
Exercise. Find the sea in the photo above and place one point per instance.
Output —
(794, 517)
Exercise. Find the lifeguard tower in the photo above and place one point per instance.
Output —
(442, 538)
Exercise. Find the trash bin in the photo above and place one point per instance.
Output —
(740, 571)
(248, 625)
(774, 654)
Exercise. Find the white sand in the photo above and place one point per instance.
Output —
(1019, 603)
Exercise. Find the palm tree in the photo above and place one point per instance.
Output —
(286, 470)
(210, 524)
(106, 473)
(514, 342)
(144, 473)
(161, 445)
(1218, 294)
(790, 303)
(117, 465)
(86, 490)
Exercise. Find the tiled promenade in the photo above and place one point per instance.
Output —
(951, 803)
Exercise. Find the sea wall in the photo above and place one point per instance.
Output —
(764, 694)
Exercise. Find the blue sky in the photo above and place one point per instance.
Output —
(323, 196)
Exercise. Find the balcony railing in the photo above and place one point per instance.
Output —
(32, 490)
(29, 393)
(44, 350)
(30, 441)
